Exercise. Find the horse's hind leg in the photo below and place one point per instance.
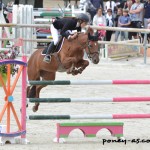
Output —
(45, 76)
(31, 90)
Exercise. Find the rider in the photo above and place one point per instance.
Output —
(65, 25)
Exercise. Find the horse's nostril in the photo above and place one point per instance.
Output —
(96, 61)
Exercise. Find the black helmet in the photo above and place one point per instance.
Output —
(83, 17)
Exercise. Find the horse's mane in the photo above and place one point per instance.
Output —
(88, 31)
(82, 37)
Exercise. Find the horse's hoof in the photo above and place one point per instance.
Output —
(35, 108)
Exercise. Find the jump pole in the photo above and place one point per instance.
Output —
(91, 116)
(68, 100)
(88, 82)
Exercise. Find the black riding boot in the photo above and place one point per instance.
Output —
(50, 50)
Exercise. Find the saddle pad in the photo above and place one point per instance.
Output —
(58, 47)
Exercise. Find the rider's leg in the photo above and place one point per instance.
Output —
(53, 44)
(50, 50)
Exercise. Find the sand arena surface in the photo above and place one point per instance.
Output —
(41, 133)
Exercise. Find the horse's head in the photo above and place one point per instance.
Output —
(92, 46)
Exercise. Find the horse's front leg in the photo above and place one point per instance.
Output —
(81, 65)
(69, 64)
(38, 89)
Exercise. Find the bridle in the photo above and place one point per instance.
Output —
(89, 53)
(88, 46)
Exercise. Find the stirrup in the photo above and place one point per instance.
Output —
(47, 59)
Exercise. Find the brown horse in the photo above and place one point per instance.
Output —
(69, 59)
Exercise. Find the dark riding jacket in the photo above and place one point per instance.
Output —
(65, 24)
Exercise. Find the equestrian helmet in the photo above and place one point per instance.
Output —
(83, 17)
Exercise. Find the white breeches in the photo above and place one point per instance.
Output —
(55, 34)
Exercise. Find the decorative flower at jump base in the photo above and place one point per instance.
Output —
(12, 53)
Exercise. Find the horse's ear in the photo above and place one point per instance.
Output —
(93, 37)
(89, 30)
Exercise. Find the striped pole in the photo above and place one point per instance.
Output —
(53, 13)
(42, 9)
(88, 82)
(43, 35)
(97, 116)
(42, 20)
(67, 100)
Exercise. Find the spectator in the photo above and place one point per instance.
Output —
(67, 3)
(146, 13)
(97, 4)
(89, 7)
(124, 21)
(100, 20)
(109, 23)
(148, 25)
(120, 3)
(111, 5)
(119, 13)
(128, 4)
(136, 15)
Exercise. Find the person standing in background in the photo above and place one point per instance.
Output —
(89, 8)
(128, 4)
(119, 13)
(109, 23)
(100, 20)
(146, 13)
(67, 3)
(136, 15)
(97, 3)
(110, 5)
(124, 22)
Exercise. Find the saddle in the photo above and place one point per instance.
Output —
(57, 49)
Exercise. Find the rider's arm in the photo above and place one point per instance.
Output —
(64, 32)
(69, 25)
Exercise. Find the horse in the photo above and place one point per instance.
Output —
(68, 59)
